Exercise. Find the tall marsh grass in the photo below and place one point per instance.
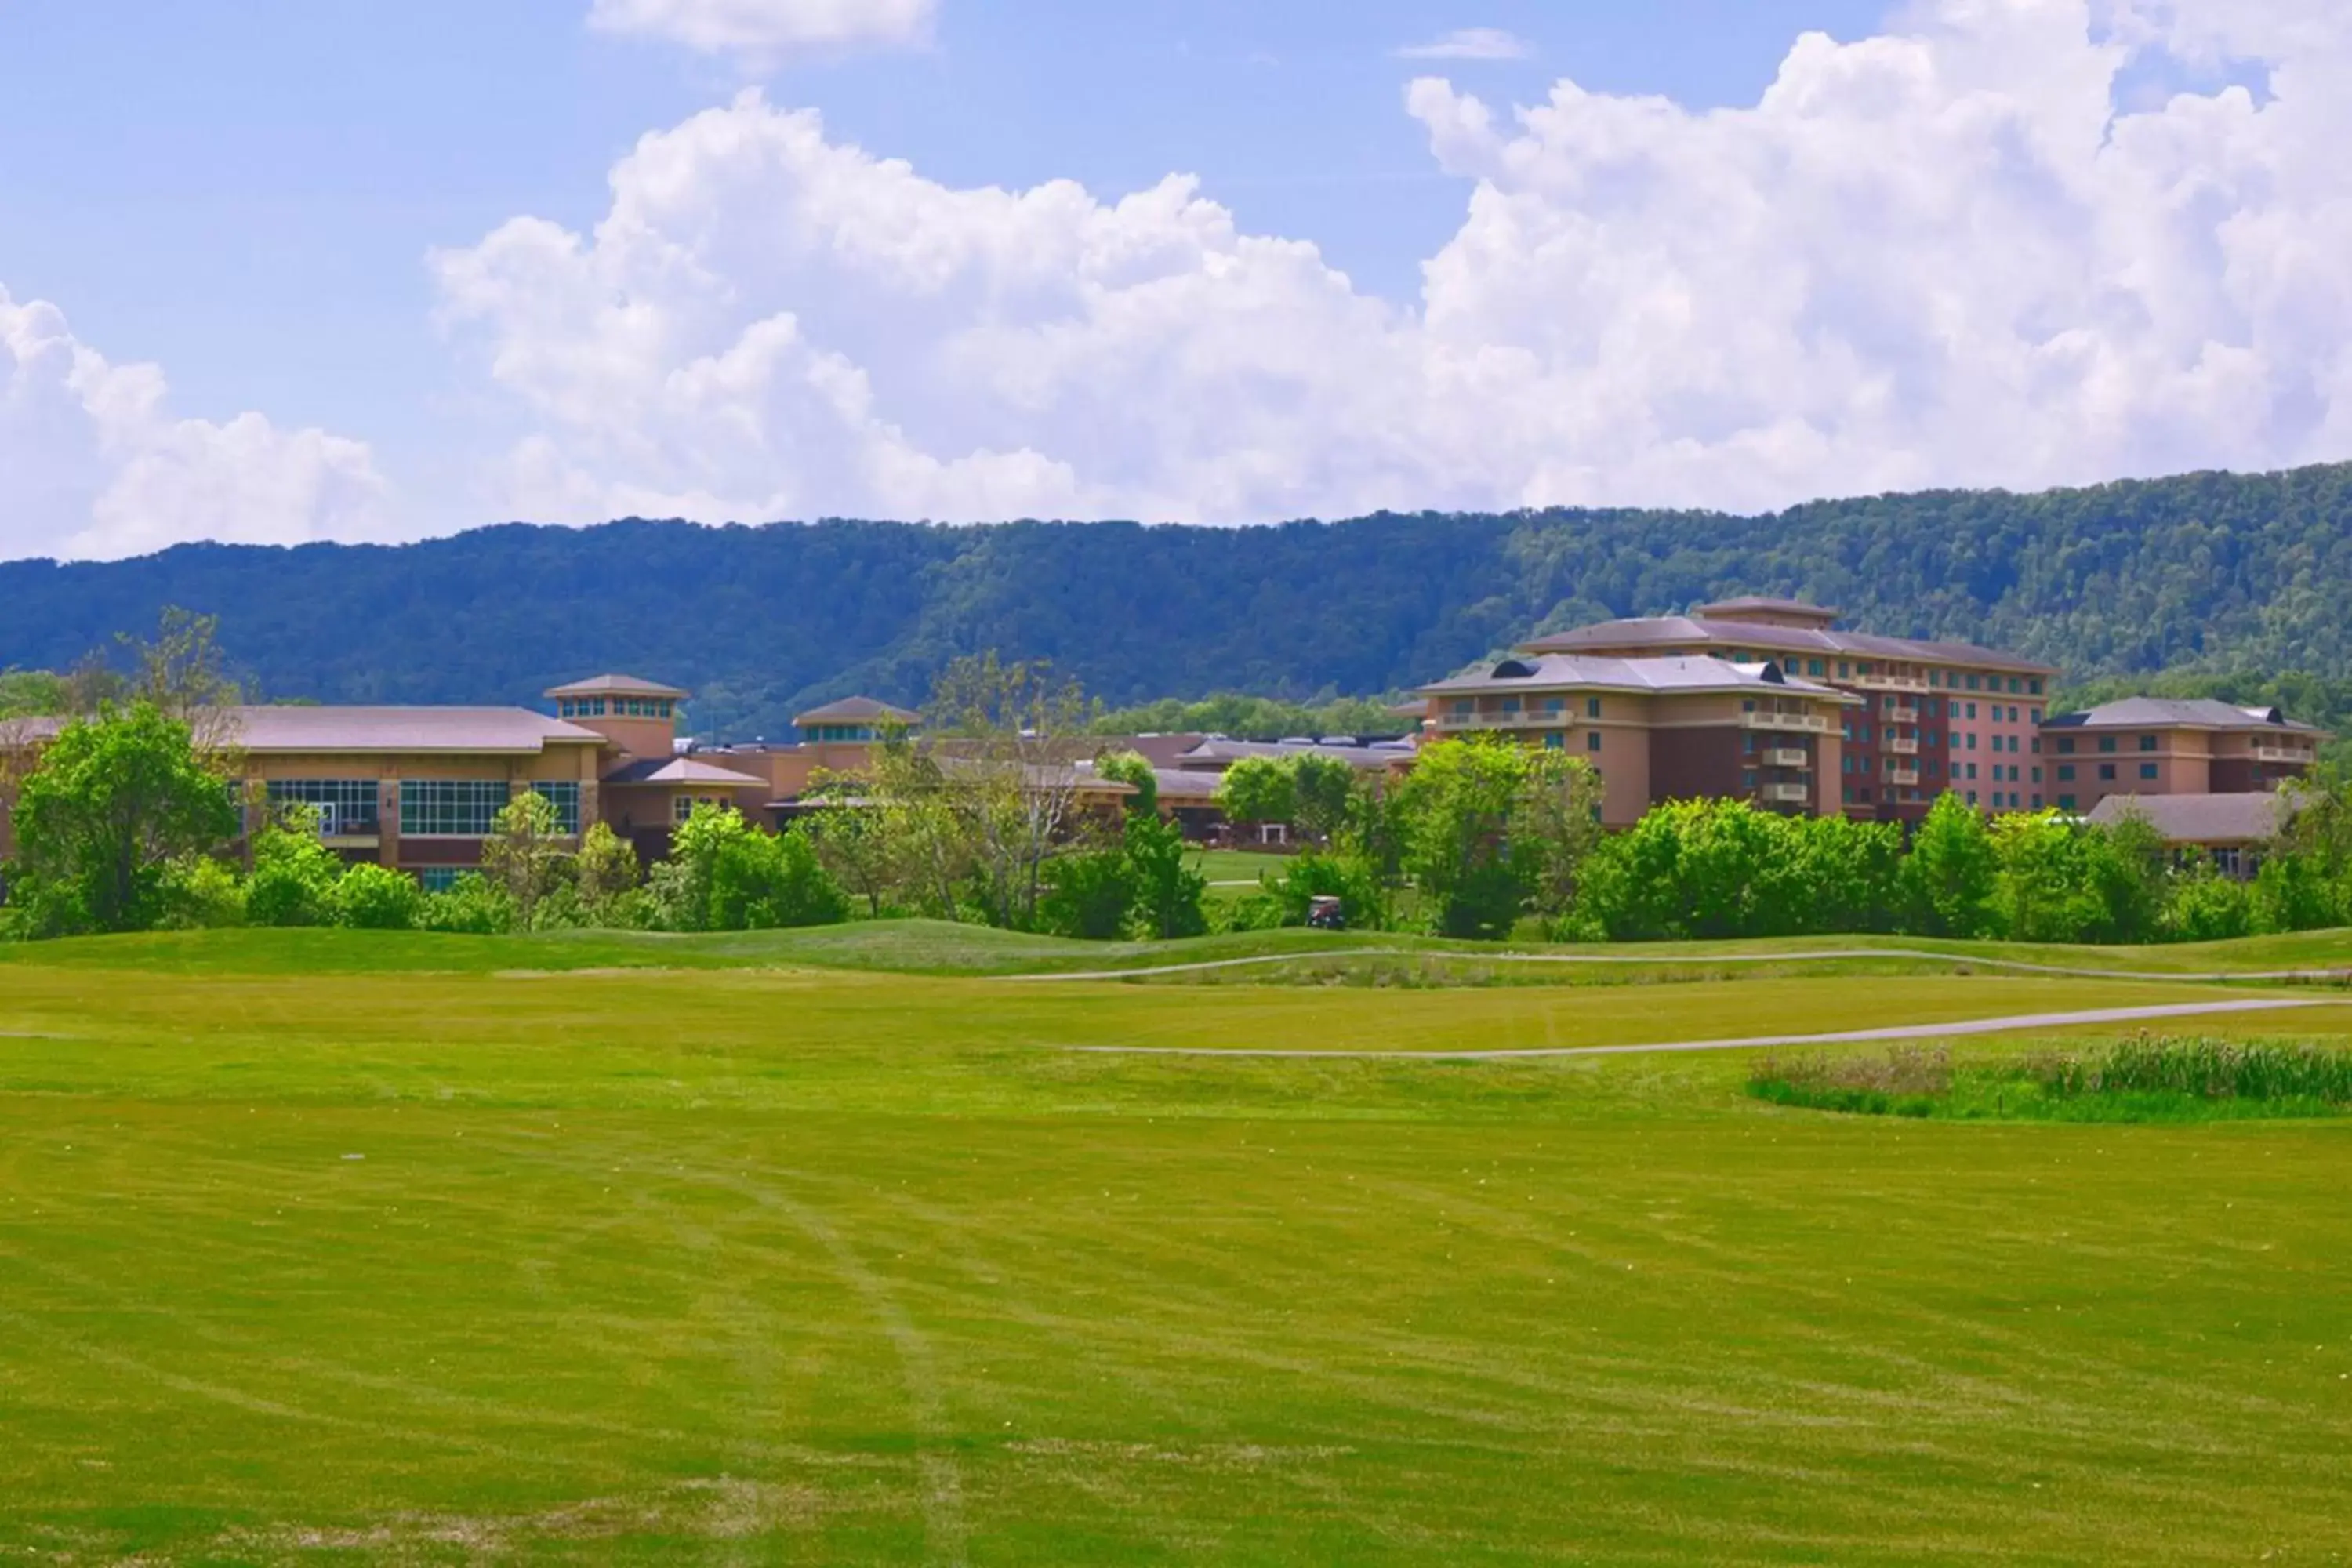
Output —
(2148, 1077)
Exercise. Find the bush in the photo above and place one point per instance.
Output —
(1091, 896)
(294, 875)
(725, 874)
(202, 894)
(2207, 907)
(470, 907)
(1347, 877)
(369, 897)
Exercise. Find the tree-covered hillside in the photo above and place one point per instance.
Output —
(2211, 572)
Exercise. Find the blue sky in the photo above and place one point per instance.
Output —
(249, 198)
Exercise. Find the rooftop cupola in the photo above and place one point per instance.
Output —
(638, 717)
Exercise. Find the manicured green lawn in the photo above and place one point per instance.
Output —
(395, 1249)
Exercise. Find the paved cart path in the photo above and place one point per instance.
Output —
(2335, 976)
(1896, 1032)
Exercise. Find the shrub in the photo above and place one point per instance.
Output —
(294, 875)
(1091, 895)
(1348, 877)
(202, 894)
(369, 897)
(470, 907)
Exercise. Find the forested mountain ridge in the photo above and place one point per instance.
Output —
(2212, 571)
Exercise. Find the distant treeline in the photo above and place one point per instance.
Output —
(2209, 574)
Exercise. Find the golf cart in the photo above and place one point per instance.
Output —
(1324, 913)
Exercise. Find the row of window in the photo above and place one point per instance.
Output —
(1848, 669)
(2107, 743)
(1556, 741)
(616, 707)
(2107, 771)
(1551, 706)
(429, 808)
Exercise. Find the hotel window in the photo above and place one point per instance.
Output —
(1748, 779)
(2037, 803)
(1812, 666)
(1935, 678)
(1554, 741)
(2065, 746)
(1747, 705)
(565, 798)
(2066, 773)
(2034, 714)
(1592, 708)
(1972, 797)
(1747, 740)
(2106, 770)
(1510, 705)
(1556, 705)
(1461, 707)
(345, 806)
(441, 878)
(2037, 775)
(683, 807)
(1969, 740)
(2148, 742)
(1972, 770)
(2065, 803)
(1844, 671)
(1972, 710)
(451, 808)
(1973, 684)
(2015, 685)
(1593, 740)
(2034, 686)
(2036, 747)
(2106, 743)
(2148, 770)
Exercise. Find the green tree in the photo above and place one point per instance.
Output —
(1322, 792)
(1008, 738)
(1475, 816)
(608, 875)
(112, 802)
(1947, 881)
(1133, 769)
(1168, 888)
(854, 842)
(1257, 790)
(527, 855)
(1091, 894)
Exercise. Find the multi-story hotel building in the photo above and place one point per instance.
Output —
(1663, 728)
(1931, 716)
(2167, 746)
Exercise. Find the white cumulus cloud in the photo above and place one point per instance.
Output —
(1942, 256)
(98, 467)
(764, 30)
(1470, 43)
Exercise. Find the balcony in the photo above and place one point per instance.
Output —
(1787, 793)
(2280, 753)
(1902, 746)
(1884, 681)
(1812, 722)
(1787, 757)
(1902, 715)
(1522, 720)
(1902, 775)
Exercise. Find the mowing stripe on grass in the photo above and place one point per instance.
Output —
(2337, 976)
(1896, 1032)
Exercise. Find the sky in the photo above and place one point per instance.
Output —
(306, 269)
